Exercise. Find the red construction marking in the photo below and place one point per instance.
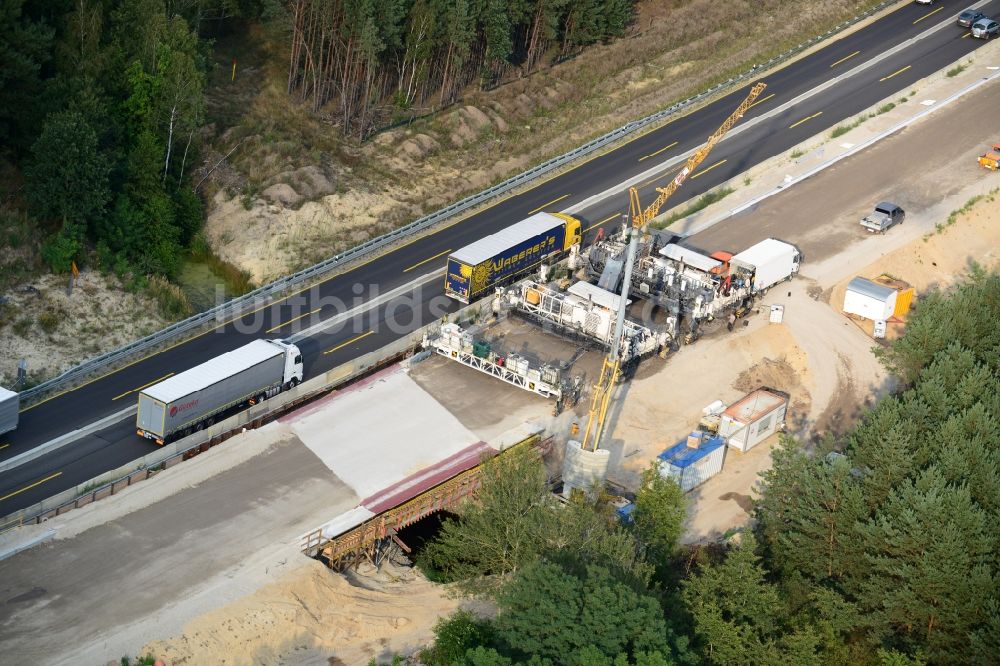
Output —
(427, 478)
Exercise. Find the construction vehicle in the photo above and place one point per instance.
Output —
(767, 263)
(639, 219)
(192, 400)
(501, 257)
(991, 159)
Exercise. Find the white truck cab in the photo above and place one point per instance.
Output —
(293, 364)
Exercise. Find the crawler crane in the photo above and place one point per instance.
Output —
(611, 369)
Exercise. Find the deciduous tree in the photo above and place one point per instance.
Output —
(67, 176)
(660, 512)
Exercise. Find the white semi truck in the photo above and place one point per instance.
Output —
(9, 407)
(190, 401)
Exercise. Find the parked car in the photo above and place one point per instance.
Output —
(885, 216)
(969, 16)
(985, 28)
(925, 2)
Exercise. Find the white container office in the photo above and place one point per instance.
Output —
(754, 418)
(869, 299)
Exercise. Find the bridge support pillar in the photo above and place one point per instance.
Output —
(583, 470)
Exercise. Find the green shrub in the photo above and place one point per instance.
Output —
(23, 326)
(841, 130)
(173, 304)
(59, 251)
(454, 635)
(49, 321)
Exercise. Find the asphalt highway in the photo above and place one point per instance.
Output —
(301, 316)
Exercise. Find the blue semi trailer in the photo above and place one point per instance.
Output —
(503, 256)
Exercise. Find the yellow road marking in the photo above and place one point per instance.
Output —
(36, 483)
(659, 151)
(275, 328)
(796, 124)
(3, 446)
(597, 224)
(344, 344)
(968, 34)
(142, 387)
(761, 101)
(532, 212)
(928, 15)
(845, 58)
(898, 71)
(407, 270)
(707, 169)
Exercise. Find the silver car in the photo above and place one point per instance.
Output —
(985, 28)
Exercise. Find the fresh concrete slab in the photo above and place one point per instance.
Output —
(379, 431)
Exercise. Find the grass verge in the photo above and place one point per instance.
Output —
(941, 226)
(841, 130)
(170, 299)
(238, 281)
(702, 202)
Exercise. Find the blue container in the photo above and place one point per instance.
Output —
(690, 467)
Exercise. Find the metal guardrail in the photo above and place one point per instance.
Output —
(262, 295)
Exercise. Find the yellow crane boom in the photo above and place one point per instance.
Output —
(611, 368)
(640, 217)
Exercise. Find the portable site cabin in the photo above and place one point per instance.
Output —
(693, 460)
(869, 299)
(754, 418)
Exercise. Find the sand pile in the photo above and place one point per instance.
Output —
(315, 616)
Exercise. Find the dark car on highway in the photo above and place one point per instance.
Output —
(969, 16)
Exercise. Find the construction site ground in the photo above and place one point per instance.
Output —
(201, 563)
